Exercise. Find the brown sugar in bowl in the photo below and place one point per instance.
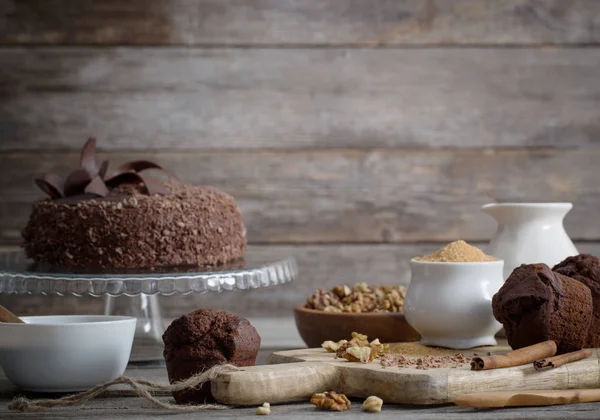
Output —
(317, 326)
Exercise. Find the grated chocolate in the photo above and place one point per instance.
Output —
(424, 362)
(193, 225)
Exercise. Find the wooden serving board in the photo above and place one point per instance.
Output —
(298, 374)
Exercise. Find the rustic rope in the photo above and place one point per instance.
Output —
(141, 387)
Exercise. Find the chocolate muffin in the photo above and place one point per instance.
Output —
(586, 269)
(129, 220)
(202, 339)
(536, 304)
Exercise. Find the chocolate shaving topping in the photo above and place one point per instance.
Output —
(88, 157)
(151, 186)
(103, 169)
(96, 187)
(137, 166)
(51, 184)
(76, 182)
(89, 180)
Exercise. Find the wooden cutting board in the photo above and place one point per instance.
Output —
(298, 374)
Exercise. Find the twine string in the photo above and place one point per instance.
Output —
(141, 387)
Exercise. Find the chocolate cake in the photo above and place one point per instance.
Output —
(586, 269)
(129, 220)
(202, 339)
(536, 304)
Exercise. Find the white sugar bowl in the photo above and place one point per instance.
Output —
(65, 353)
(450, 303)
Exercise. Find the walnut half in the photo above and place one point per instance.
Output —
(331, 401)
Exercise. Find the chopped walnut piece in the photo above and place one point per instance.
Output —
(342, 349)
(362, 287)
(359, 339)
(358, 354)
(321, 299)
(358, 299)
(378, 348)
(332, 346)
(331, 401)
(358, 349)
(372, 404)
(264, 410)
(341, 291)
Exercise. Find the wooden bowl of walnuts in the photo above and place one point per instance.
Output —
(376, 311)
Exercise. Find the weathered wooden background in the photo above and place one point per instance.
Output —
(354, 134)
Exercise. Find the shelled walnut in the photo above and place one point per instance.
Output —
(362, 353)
(331, 401)
(372, 404)
(332, 346)
(356, 340)
(358, 299)
(358, 349)
(359, 339)
(264, 410)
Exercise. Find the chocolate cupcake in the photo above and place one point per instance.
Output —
(536, 304)
(586, 269)
(202, 339)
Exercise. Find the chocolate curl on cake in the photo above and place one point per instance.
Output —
(91, 179)
(129, 173)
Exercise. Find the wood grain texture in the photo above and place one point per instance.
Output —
(117, 405)
(320, 266)
(354, 196)
(528, 398)
(323, 23)
(182, 98)
(311, 370)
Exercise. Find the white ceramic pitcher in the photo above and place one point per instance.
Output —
(529, 233)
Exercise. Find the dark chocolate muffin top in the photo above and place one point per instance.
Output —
(582, 267)
(585, 268)
(536, 304)
(528, 287)
(207, 334)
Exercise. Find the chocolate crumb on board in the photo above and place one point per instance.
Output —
(424, 362)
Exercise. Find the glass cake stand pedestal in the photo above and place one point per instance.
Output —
(135, 293)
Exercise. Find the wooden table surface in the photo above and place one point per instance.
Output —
(118, 404)
(277, 334)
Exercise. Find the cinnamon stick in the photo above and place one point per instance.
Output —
(518, 357)
(556, 361)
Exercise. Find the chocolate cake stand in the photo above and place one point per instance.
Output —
(135, 293)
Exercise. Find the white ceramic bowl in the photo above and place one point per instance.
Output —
(450, 304)
(65, 353)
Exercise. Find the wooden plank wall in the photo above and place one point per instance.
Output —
(354, 134)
